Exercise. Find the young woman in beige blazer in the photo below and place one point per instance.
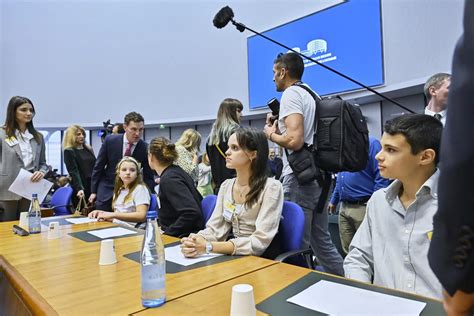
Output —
(21, 147)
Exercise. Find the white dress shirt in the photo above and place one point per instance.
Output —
(391, 245)
(442, 113)
(25, 147)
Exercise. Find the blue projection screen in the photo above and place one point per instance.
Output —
(346, 37)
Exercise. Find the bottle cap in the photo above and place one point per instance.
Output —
(35, 195)
(151, 214)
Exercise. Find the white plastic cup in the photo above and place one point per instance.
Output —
(24, 220)
(243, 302)
(53, 230)
(107, 252)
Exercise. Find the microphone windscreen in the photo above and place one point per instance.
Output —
(223, 17)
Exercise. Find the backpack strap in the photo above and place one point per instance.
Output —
(316, 100)
(220, 150)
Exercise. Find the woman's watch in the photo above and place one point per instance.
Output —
(208, 247)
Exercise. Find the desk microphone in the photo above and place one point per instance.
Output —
(20, 231)
(226, 15)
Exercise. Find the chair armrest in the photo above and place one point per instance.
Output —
(307, 254)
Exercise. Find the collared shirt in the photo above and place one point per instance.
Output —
(391, 245)
(357, 186)
(442, 113)
(125, 145)
(25, 148)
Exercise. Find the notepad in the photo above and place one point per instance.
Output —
(112, 232)
(337, 299)
(81, 220)
(175, 255)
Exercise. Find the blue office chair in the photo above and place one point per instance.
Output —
(61, 201)
(208, 204)
(153, 203)
(290, 233)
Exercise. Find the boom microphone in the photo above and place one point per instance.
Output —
(223, 17)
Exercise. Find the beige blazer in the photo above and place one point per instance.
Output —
(11, 162)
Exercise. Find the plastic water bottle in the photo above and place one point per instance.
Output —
(34, 215)
(153, 264)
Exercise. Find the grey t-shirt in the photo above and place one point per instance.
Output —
(297, 100)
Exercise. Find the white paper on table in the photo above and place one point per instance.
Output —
(111, 232)
(175, 255)
(338, 299)
(81, 220)
(24, 187)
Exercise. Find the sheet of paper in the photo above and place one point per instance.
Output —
(174, 254)
(337, 299)
(111, 232)
(81, 220)
(25, 188)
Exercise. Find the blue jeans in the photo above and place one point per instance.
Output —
(316, 231)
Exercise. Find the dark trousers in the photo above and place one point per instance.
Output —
(10, 210)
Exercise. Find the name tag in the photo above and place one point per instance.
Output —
(229, 210)
(429, 234)
(11, 141)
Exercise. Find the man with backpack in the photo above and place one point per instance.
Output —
(294, 131)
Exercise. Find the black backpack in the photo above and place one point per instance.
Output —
(341, 136)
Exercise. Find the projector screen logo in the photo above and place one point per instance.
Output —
(318, 50)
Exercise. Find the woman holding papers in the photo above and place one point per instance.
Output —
(21, 147)
(180, 213)
(131, 197)
(249, 205)
(79, 159)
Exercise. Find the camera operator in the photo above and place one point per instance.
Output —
(292, 130)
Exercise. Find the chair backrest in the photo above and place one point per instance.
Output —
(153, 203)
(61, 201)
(208, 204)
(291, 226)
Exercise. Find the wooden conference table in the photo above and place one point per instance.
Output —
(62, 276)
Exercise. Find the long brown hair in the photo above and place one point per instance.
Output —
(226, 122)
(251, 139)
(10, 121)
(119, 185)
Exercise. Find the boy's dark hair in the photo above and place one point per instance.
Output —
(133, 117)
(421, 132)
(293, 64)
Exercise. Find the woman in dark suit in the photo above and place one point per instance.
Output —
(180, 213)
(21, 147)
(79, 159)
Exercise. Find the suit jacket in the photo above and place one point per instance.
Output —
(110, 154)
(180, 213)
(11, 162)
(451, 252)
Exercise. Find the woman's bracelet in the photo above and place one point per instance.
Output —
(270, 136)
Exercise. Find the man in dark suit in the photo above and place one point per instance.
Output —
(114, 148)
(451, 252)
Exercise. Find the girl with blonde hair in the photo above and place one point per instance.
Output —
(187, 148)
(131, 197)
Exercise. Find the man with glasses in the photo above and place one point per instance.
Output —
(292, 130)
(114, 148)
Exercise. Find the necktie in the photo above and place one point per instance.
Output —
(128, 150)
(437, 116)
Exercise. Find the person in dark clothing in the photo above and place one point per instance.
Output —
(275, 164)
(228, 120)
(180, 213)
(79, 159)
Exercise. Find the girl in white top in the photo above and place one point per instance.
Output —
(131, 197)
(249, 205)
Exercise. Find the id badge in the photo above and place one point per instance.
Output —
(229, 210)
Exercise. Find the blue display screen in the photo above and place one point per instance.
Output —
(346, 37)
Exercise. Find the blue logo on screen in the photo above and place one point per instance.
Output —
(346, 37)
